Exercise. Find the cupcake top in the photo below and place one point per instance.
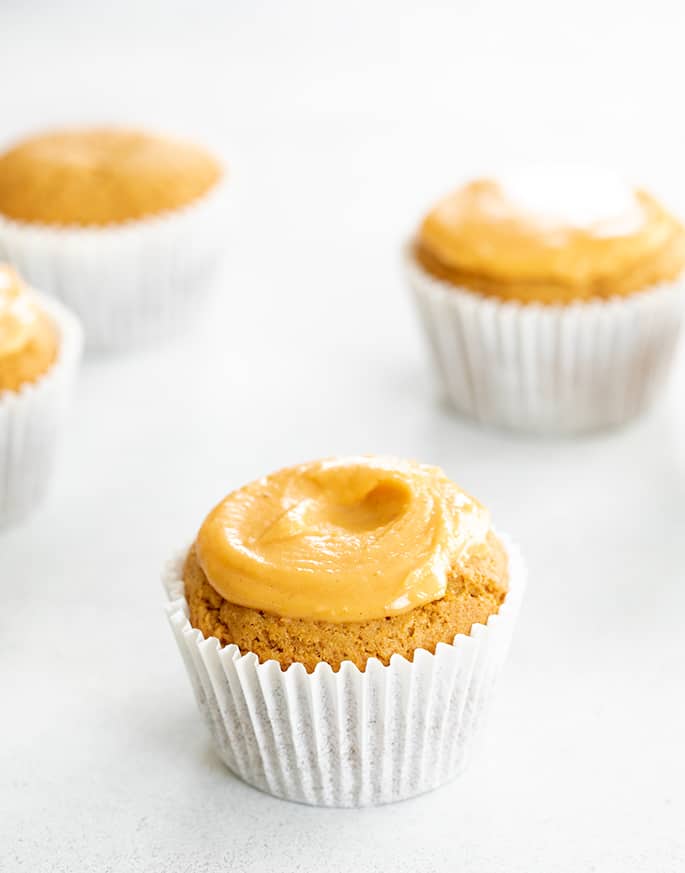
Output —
(551, 236)
(339, 540)
(345, 559)
(28, 337)
(100, 176)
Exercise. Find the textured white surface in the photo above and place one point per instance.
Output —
(341, 126)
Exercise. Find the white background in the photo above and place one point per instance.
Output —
(340, 124)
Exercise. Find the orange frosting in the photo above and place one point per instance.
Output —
(101, 176)
(551, 238)
(347, 539)
(28, 339)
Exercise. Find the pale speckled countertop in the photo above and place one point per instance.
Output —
(340, 125)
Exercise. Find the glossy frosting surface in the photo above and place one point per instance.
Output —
(551, 236)
(18, 313)
(28, 339)
(347, 539)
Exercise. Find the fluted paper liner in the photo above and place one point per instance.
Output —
(548, 369)
(346, 738)
(129, 283)
(31, 421)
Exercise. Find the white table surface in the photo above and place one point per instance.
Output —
(340, 125)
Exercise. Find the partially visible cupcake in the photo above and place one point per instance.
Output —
(552, 299)
(123, 226)
(343, 622)
(40, 345)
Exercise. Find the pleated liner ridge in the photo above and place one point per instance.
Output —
(548, 369)
(129, 283)
(346, 738)
(31, 423)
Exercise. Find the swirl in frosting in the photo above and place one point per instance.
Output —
(347, 539)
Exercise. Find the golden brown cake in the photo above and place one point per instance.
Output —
(345, 560)
(100, 176)
(533, 239)
(29, 340)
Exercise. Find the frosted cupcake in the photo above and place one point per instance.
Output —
(123, 226)
(343, 622)
(40, 344)
(552, 299)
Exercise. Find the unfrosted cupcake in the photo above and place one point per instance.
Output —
(40, 344)
(552, 299)
(123, 226)
(342, 622)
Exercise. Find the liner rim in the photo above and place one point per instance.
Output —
(213, 195)
(451, 293)
(177, 614)
(68, 352)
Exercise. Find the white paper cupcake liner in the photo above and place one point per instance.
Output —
(131, 283)
(31, 422)
(346, 738)
(549, 369)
